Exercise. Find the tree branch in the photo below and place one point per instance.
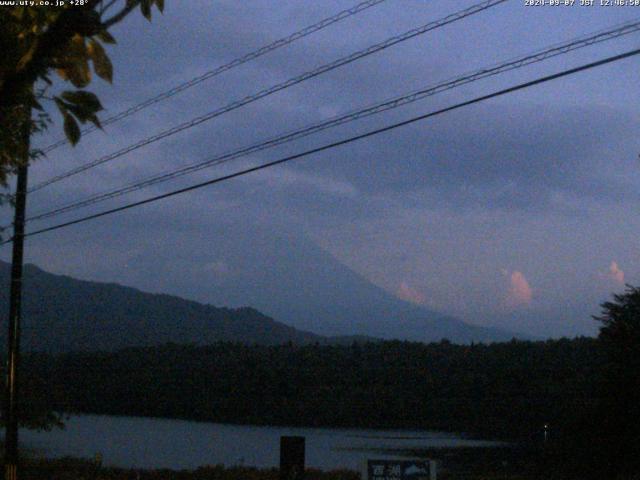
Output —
(104, 8)
(119, 16)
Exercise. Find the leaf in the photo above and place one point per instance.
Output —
(160, 5)
(89, 23)
(145, 8)
(36, 104)
(76, 48)
(96, 121)
(79, 74)
(71, 129)
(80, 113)
(106, 37)
(61, 105)
(101, 63)
(26, 58)
(83, 98)
(83, 105)
(76, 63)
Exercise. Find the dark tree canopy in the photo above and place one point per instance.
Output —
(620, 321)
(618, 421)
(37, 41)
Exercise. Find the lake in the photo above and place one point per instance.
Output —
(132, 442)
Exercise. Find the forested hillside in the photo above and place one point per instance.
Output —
(65, 314)
(507, 390)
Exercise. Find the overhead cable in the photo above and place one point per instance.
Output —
(512, 64)
(454, 17)
(227, 66)
(346, 141)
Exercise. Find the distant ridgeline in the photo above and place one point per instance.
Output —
(63, 314)
(504, 390)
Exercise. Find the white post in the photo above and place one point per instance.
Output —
(432, 470)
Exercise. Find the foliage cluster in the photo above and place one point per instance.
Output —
(36, 41)
(507, 390)
(617, 419)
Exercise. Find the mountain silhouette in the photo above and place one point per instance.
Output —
(61, 313)
(291, 279)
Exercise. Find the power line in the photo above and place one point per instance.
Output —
(338, 143)
(538, 56)
(474, 9)
(228, 66)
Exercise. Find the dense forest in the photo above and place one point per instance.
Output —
(503, 390)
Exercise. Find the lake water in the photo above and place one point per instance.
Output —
(132, 442)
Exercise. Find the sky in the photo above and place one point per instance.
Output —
(518, 212)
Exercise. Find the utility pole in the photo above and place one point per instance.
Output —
(13, 352)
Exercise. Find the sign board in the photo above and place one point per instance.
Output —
(401, 470)
(292, 458)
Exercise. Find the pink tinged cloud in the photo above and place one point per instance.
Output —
(519, 292)
(615, 273)
(409, 294)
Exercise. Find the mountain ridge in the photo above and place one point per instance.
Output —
(289, 277)
(61, 313)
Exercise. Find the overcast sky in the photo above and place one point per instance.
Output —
(521, 211)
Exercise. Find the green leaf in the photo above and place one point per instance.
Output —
(75, 63)
(83, 105)
(77, 73)
(81, 114)
(71, 129)
(160, 5)
(83, 99)
(101, 63)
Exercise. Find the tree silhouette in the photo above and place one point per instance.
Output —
(38, 41)
(618, 421)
